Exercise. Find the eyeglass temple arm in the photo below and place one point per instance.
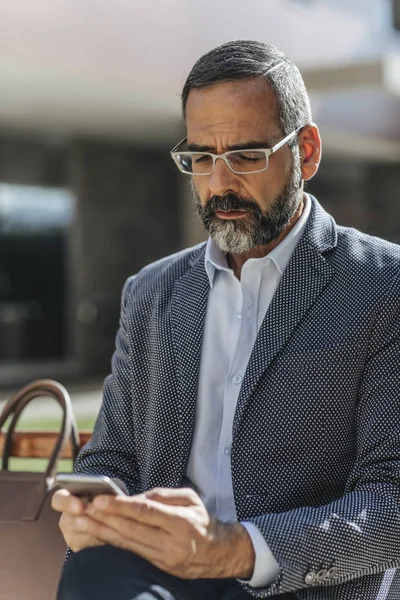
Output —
(285, 140)
(174, 149)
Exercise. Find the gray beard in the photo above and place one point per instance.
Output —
(258, 228)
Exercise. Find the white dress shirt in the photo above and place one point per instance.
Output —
(235, 311)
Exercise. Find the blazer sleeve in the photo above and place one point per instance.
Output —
(359, 533)
(111, 450)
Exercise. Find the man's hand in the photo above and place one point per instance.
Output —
(73, 511)
(171, 529)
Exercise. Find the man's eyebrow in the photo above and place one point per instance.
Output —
(244, 146)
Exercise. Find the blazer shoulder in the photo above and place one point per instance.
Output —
(165, 271)
(365, 248)
(367, 255)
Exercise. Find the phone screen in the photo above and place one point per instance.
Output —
(88, 486)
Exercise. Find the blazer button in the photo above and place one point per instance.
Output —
(322, 574)
(310, 577)
(332, 572)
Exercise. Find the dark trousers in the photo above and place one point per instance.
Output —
(107, 573)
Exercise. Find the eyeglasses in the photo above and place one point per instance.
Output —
(241, 162)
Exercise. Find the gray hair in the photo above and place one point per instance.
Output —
(243, 59)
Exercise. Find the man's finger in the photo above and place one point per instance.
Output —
(73, 537)
(64, 501)
(128, 528)
(149, 543)
(174, 496)
(140, 509)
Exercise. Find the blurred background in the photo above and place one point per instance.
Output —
(89, 109)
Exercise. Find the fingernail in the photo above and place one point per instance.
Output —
(76, 507)
(100, 502)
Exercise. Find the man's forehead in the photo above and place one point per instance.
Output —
(216, 127)
(231, 133)
(234, 105)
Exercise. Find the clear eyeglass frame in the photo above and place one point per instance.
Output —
(176, 154)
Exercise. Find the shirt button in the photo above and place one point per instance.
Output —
(332, 572)
(310, 578)
(237, 379)
(239, 316)
(227, 450)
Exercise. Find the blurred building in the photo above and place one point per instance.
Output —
(89, 110)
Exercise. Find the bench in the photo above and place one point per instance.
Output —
(39, 444)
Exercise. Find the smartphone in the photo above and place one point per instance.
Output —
(89, 486)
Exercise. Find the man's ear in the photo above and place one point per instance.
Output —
(310, 147)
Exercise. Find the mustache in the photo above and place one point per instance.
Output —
(230, 202)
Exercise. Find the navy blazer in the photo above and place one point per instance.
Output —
(316, 434)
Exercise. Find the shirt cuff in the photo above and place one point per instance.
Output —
(266, 567)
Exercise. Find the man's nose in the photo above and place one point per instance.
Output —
(222, 180)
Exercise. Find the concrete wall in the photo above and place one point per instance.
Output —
(128, 213)
(32, 161)
(383, 193)
(127, 216)
(360, 194)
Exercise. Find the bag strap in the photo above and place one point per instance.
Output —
(15, 406)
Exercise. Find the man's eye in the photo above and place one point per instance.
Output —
(250, 157)
(202, 158)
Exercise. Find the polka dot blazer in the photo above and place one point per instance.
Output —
(316, 434)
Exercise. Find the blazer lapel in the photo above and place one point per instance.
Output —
(188, 310)
(306, 276)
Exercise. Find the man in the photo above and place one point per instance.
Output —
(252, 409)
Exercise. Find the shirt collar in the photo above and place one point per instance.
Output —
(215, 259)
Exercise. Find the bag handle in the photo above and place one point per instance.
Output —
(15, 406)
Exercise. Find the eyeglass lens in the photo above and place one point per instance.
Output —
(197, 163)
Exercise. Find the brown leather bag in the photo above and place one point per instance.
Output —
(32, 549)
